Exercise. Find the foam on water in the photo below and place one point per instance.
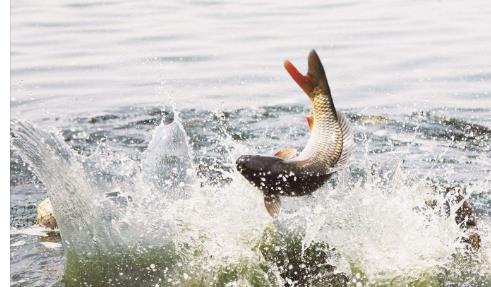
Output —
(152, 205)
(154, 221)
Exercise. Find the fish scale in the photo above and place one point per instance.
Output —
(328, 148)
(326, 142)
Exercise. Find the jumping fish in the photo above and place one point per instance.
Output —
(328, 149)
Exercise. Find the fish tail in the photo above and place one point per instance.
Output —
(317, 74)
(315, 82)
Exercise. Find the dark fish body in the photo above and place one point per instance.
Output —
(280, 177)
(328, 148)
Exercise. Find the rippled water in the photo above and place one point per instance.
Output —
(84, 55)
(413, 77)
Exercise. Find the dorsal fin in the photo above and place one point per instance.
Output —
(273, 204)
(310, 122)
(287, 153)
(348, 140)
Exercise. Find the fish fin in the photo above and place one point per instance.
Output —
(304, 82)
(272, 204)
(348, 141)
(310, 121)
(317, 74)
(314, 81)
(287, 153)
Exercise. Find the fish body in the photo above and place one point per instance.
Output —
(328, 148)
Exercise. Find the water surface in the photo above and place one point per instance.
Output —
(413, 77)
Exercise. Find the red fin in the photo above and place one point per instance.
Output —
(315, 77)
(310, 121)
(287, 153)
(303, 81)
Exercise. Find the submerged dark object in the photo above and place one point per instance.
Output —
(300, 263)
(465, 216)
(328, 148)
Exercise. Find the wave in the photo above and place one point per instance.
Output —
(175, 213)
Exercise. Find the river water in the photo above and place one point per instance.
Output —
(99, 77)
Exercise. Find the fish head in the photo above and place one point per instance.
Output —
(314, 83)
(257, 169)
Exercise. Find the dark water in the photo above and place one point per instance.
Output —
(413, 77)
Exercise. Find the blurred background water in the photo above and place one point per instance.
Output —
(104, 70)
(71, 57)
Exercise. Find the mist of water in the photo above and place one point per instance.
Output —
(155, 214)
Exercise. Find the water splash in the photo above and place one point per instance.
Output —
(73, 199)
(148, 219)
(157, 206)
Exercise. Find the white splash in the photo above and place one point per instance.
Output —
(379, 224)
(157, 203)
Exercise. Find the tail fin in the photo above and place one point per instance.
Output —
(316, 72)
(315, 78)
